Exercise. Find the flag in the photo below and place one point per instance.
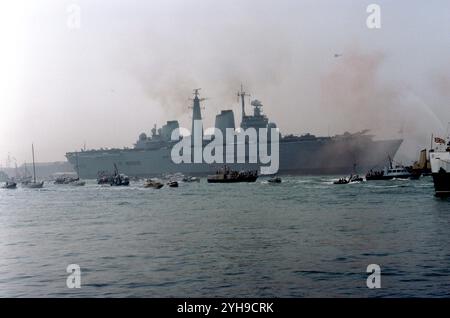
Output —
(439, 140)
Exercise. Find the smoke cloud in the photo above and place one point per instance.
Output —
(129, 67)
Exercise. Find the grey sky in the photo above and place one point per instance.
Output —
(135, 63)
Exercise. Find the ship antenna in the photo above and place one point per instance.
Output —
(196, 109)
(242, 95)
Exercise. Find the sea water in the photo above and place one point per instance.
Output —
(305, 237)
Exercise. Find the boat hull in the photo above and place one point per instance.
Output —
(10, 186)
(441, 184)
(78, 183)
(232, 180)
(154, 186)
(374, 178)
(34, 185)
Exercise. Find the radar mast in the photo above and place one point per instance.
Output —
(242, 95)
(196, 109)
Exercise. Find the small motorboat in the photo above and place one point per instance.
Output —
(119, 179)
(104, 179)
(178, 176)
(356, 178)
(274, 180)
(225, 175)
(60, 180)
(342, 181)
(389, 173)
(173, 184)
(351, 179)
(191, 179)
(65, 180)
(153, 183)
(77, 183)
(9, 185)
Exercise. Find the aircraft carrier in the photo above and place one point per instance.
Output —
(304, 154)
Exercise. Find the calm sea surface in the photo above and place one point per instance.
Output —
(303, 238)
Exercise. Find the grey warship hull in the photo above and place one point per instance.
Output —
(297, 157)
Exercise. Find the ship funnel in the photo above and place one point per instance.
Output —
(168, 128)
(225, 120)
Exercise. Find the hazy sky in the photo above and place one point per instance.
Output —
(132, 64)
